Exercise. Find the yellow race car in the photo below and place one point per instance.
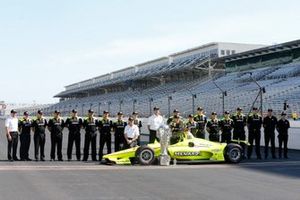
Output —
(188, 150)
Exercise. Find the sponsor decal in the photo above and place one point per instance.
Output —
(187, 153)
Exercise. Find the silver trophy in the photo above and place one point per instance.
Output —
(164, 134)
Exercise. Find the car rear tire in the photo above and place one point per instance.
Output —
(145, 155)
(233, 153)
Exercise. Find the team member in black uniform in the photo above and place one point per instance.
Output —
(171, 119)
(56, 126)
(254, 125)
(25, 128)
(39, 128)
(90, 126)
(282, 127)
(269, 124)
(105, 126)
(177, 128)
(201, 120)
(226, 127)
(239, 124)
(119, 127)
(191, 125)
(74, 124)
(137, 122)
(213, 128)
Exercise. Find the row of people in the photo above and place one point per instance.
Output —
(126, 134)
(230, 127)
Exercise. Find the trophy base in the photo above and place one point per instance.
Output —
(164, 160)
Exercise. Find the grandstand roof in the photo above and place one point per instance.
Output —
(194, 48)
(262, 51)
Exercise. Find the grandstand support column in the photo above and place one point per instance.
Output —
(133, 105)
(150, 105)
(194, 96)
(91, 105)
(82, 109)
(99, 108)
(120, 105)
(108, 106)
(169, 105)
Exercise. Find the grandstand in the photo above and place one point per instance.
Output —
(206, 76)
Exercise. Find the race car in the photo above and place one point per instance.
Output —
(189, 150)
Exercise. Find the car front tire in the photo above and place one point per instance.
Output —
(233, 153)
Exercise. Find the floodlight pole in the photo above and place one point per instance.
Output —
(224, 93)
(261, 91)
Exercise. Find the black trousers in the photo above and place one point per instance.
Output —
(226, 137)
(12, 145)
(25, 140)
(74, 137)
(56, 143)
(105, 138)
(254, 135)
(152, 136)
(90, 138)
(239, 134)
(39, 145)
(119, 141)
(283, 139)
(270, 137)
(214, 137)
(200, 134)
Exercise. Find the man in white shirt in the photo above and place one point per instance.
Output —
(12, 134)
(131, 134)
(154, 122)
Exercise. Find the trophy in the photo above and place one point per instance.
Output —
(164, 134)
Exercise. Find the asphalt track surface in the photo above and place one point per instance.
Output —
(265, 179)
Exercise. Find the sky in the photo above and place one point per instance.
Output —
(46, 45)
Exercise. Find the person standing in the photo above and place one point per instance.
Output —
(119, 127)
(90, 125)
(56, 126)
(177, 128)
(39, 128)
(137, 122)
(269, 124)
(154, 122)
(131, 134)
(283, 126)
(192, 125)
(171, 119)
(213, 128)
(25, 125)
(239, 124)
(201, 120)
(254, 125)
(74, 124)
(226, 127)
(105, 126)
(12, 134)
